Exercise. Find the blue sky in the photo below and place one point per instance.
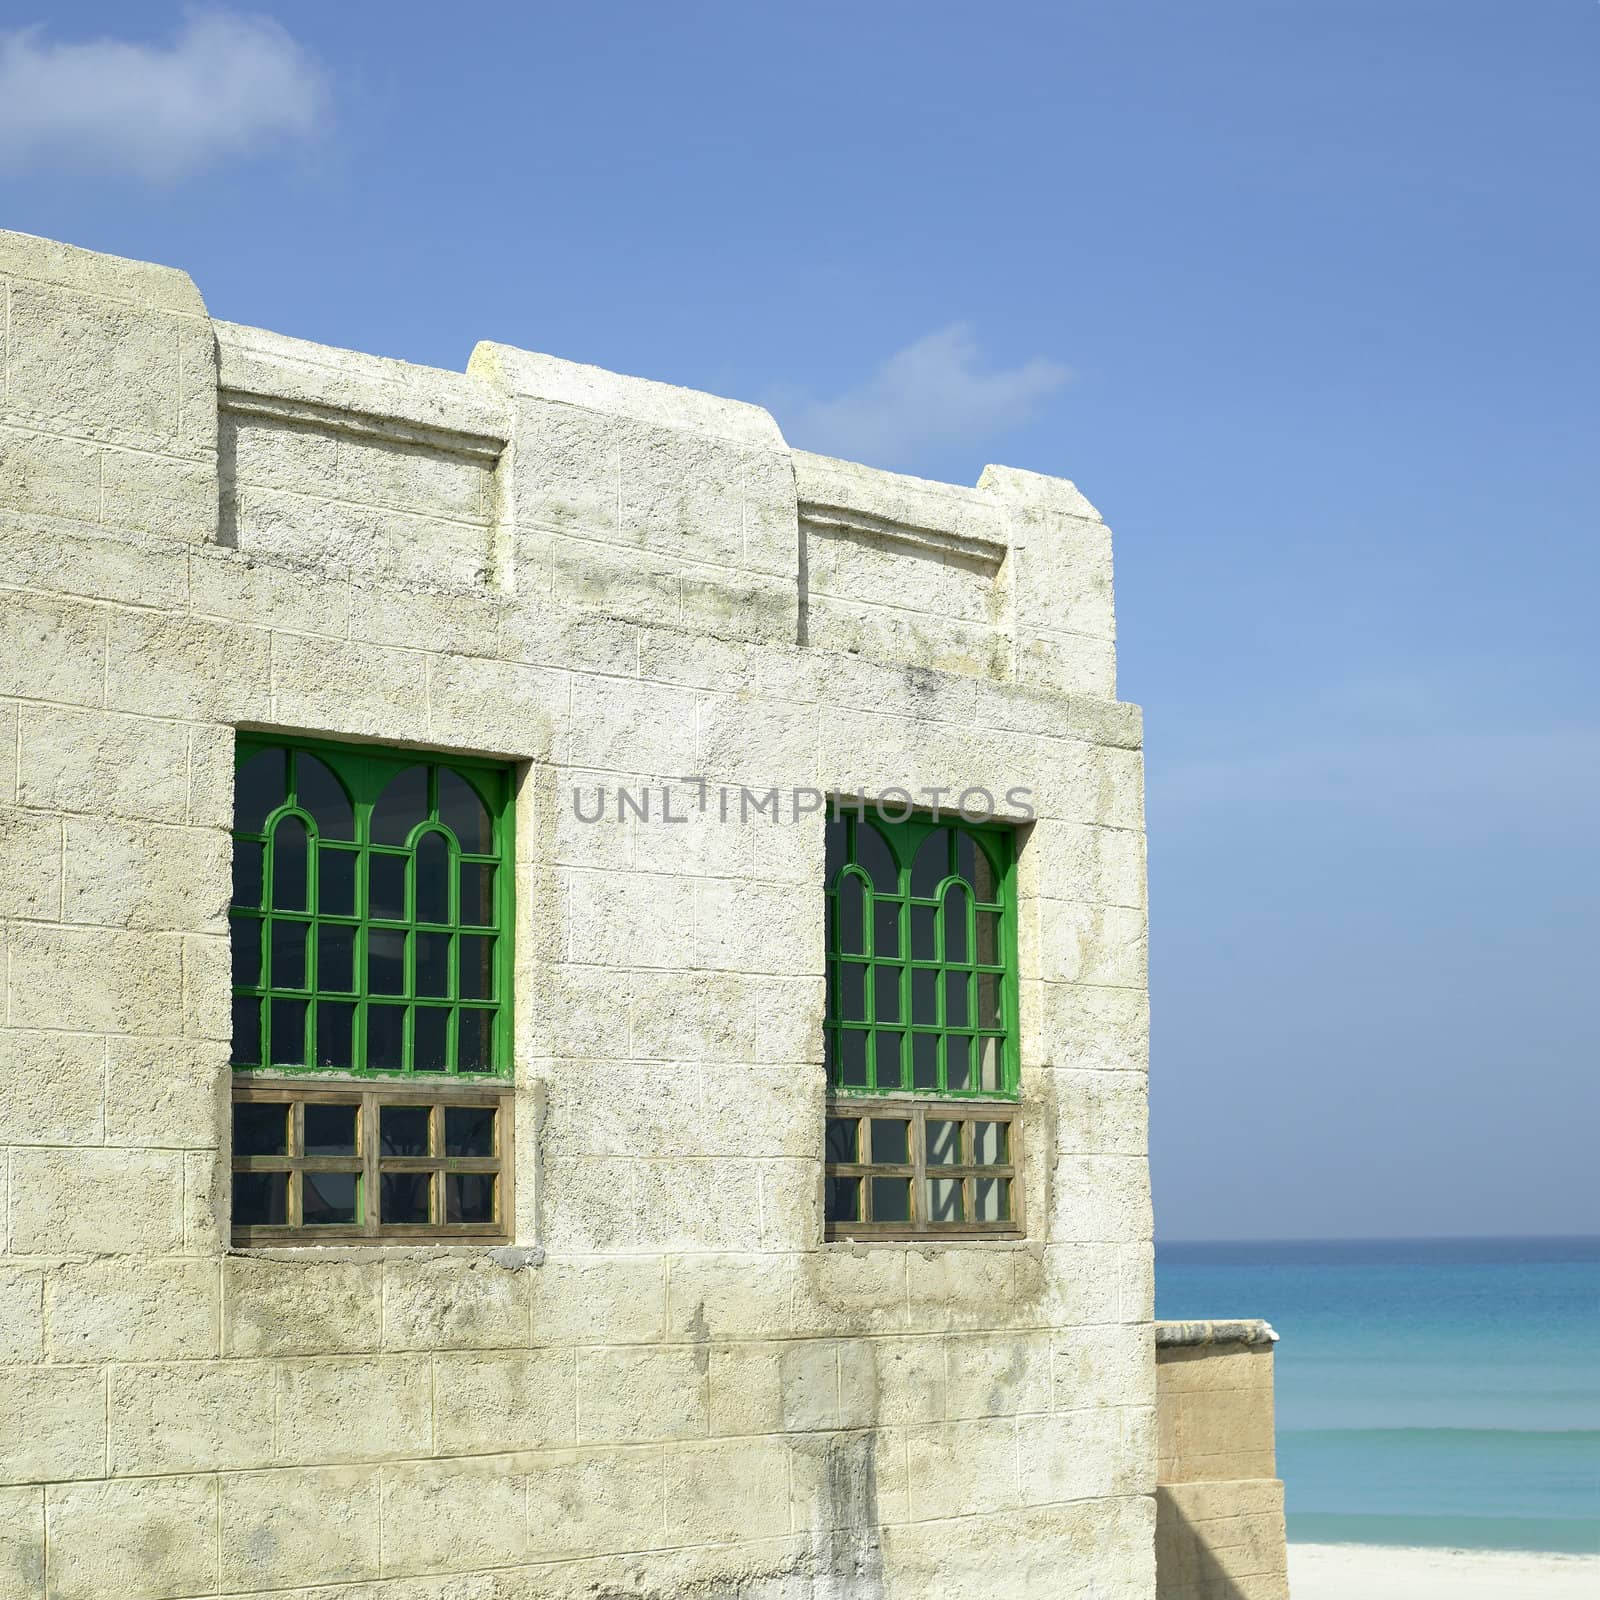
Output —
(1302, 295)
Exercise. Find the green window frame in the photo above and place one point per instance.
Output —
(922, 970)
(372, 912)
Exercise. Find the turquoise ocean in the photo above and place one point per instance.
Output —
(1438, 1392)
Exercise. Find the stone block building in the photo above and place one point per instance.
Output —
(574, 1013)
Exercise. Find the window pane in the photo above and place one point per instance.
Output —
(336, 882)
(260, 1128)
(432, 899)
(972, 862)
(988, 999)
(477, 895)
(891, 1141)
(463, 813)
(944, 1143)
(385, 1036)
(260, 786)
(842, 1199)
(469, 1197)
(991, 1200)
(403, 1130)
(330, 1130)
(886, 928)
(840, 1141)
(891, 1199)
(336, 957)
(922, 933)
(932, 864)
(875, 855)
(958, 1064)
(954, 918)
(320, 793)
(924, 995)
(850, 908)
(956, 1013)
(328, 1197)
(335, 1033)
(852, 991)
(430, 1040)
(386, 961)
(403, 1197)
(852, 1058)
(246, 1033)
(290, 866)
(286, 1042)
(260, 1199)
(989, 1062)
(477, 967)
(888, 1056)
(247, 862)
(925, 1060)
(988, 953)
(433, 963)
(401, 807)
(886, 993)
(386, 887)
(246, 934)
(989, 1143)
(944, 1200)
(469, 1130)
(288, 955)
(475, 1044)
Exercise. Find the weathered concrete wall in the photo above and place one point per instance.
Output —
(675, 1387)
(1219, 1504)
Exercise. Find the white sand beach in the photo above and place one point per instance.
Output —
(1372, 1572)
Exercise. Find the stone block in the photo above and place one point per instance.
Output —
(306, 1525)
(342, 688)
(961, 1469)
(1101, 1113)
(21, 1316)
(280, 1308)
(22, 1542)
(101, 1202)
(113, 1309)
(642, 1395)
(590, 1502)
(888, 1383)
(493, 1402)
(1112, 1365)
(850, 1290)
(714, 1012)
(454, 1305)
(848, 1484)
(83, 978)
(45, 476)
(454, 1516)
(8, 752)
(191, 1416)
(624, 919)
(232, 585)
(729, 1296)
(30, 865)
(495, 706)
(1105, 946)
(170, 1093)
(1103, 1029)
(139, 1539)
(52, 1088)
(187, 667)
(996, 1374)
(1102, 1199)
(1070, 1455)
(145, 875)
(55, 1423)
(727, 1489)
(102, 764)
(697, 1205)
(56, 648)
(621, 725)
(601, 1300)
(157, 496)
(354, 1408)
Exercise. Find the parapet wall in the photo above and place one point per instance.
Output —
(1219, 1503)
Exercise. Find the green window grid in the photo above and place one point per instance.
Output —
(372, 911)
(922, 978)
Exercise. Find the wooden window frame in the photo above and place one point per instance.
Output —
(370, 1163)
(919, 1112)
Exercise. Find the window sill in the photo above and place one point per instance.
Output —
(512, 1257)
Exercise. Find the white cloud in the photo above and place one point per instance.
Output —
(933, 392)
(225, 86)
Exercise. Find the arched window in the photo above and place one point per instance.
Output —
(371, 924)
(922, 1007)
